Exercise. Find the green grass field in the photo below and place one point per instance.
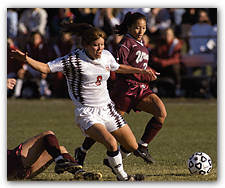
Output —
(191, 126)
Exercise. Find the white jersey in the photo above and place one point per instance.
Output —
(86, 78)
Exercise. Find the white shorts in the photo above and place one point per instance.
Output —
(107, 115)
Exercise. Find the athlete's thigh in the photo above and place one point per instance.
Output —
(126, 138)
(99, 133)
(152, 104)
(32, 149)
(40, 164)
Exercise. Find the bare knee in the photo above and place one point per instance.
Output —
(132, 147)
(111, 144)
(48, 132)
(44, 134)
(126, 138)
(99, 133)
(153, 104)
(161, 114)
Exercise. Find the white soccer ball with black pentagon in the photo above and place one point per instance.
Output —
(199, 163)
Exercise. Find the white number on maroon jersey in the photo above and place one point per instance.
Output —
(145, 65)
(140, 56)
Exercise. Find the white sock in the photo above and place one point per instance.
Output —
(143, 143)
(117, 164)
(58, 158)
(18, 88)
(124, 155)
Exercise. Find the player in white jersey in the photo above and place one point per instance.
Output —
(87, 71)
(86, 78)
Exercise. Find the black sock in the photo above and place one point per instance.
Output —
(112, 153)
(88, 143)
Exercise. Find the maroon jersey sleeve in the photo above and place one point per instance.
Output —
(122, 54)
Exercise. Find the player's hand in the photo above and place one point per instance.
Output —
(18, 55)
(150, 73)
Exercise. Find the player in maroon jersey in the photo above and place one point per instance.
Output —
(132, 91)
(34, 155)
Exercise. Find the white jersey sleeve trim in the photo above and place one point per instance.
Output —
(56, 65)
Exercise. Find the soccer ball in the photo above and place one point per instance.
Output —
(199, 163)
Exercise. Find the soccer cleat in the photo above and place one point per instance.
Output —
(136, 177)
(144, 154)
(106, 163)
(79, 156)
(63, 165)
(129, 178)
(90, 176)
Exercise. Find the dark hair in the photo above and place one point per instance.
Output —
(129, 20)
(31, 37)
(87, 32)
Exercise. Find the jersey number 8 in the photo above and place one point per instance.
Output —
(99, 79)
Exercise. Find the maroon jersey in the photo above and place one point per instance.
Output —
(129, 89)
(134, 53)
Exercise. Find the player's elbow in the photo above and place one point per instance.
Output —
(45, 69)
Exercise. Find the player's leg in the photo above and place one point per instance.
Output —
(33, 147)
(126, 138)
(99, 133)
(80, 152)
(39, 150)
(151, 104)
(45, 159)
(40, 164)
(79, 174)
(122, 103)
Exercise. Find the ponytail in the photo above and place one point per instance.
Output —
(123, 27)
(129, 20)
(87, 32)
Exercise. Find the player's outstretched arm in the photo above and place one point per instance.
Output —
(126, 69)
(37, 65)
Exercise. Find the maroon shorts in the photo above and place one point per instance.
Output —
(126, 94)
(15, 167)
